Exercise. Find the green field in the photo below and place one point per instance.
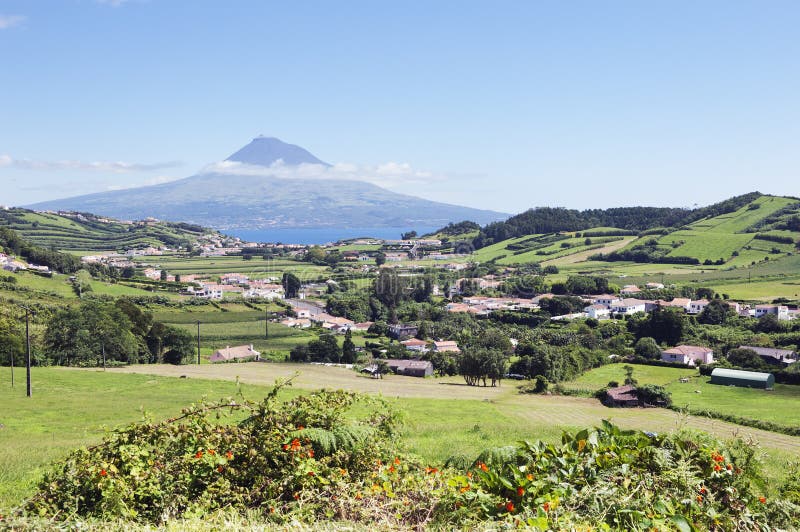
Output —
(91, 234)
(779, 405)
(443, 417)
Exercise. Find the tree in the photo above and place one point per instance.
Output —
(666, 326)
(348, 348)
(647, 347)
(629, 379)
(163, 275)
(82, 282)
(768, 323)
(653, 394)
(324, 349)
(717, 312)
(478, 365)
(380, 258)
(179, 345)
(11, 340)
(705, 293)
(390, 288)
(745, 358)
(408, 236)
(291, 284)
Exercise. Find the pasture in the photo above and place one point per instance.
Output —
(778, 405)
(443, 417)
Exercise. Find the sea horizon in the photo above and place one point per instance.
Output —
(322, 235)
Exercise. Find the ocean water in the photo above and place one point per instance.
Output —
(322, 235)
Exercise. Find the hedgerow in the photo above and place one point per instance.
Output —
(332, 457)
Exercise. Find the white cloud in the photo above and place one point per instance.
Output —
(116, 167)
(158, 180)
(389, 174)
(9, 21)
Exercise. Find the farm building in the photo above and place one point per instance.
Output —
(411, 368)
(622, 396)
(747, 379)
(401, 331)
(770, 355)
(239, 353)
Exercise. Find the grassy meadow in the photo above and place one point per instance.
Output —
(442, 417)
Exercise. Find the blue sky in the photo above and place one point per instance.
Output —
(502, 105)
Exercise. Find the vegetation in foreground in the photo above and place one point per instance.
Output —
(332, 456)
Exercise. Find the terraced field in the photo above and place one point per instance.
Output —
(90, 234)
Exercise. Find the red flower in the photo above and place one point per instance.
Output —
(762, 499)
(520, 491)
(300, 427)
(510, 506)
(198, 454)
(717, 467)
(285, 446)
(311, 453)
(703, 490)
(229, 455)
(211, 452)
(391, 469)
(529, 476)
(700, 498)
(729, 467)
(310, 473)
(295, 444)
(219, 469)
(546, 507)
(103, 472)
(482, 467)
(396, 461)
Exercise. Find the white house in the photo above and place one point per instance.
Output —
(690, 355)
(628, 306)
(781, 311)
(415, 344)
(606, 299)
(597, 311)
(696, 307)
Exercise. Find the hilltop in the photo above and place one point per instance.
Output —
(272, 184)
(81, 231)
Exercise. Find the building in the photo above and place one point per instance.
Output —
(781, 311)
(771, 355)
(746, 379)
(606, 299)
(411, 368)
(415, 344)
(239, 353)
(691, 355)
(401, 331)
(621, 396)
(597, 311)
(446, 346)
(629, 306)
(696, 307)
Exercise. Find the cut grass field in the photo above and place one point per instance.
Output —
(443, 417)
(779, 405)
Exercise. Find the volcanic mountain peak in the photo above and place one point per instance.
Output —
(266, 151)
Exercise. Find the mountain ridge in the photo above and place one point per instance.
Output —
(233, 200)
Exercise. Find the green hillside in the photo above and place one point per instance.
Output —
(87, 232)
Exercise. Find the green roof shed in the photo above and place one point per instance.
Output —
(747, 379)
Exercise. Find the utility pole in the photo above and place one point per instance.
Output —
(266, 321)
(198, 342)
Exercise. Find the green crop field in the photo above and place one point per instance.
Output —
(443, 417)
